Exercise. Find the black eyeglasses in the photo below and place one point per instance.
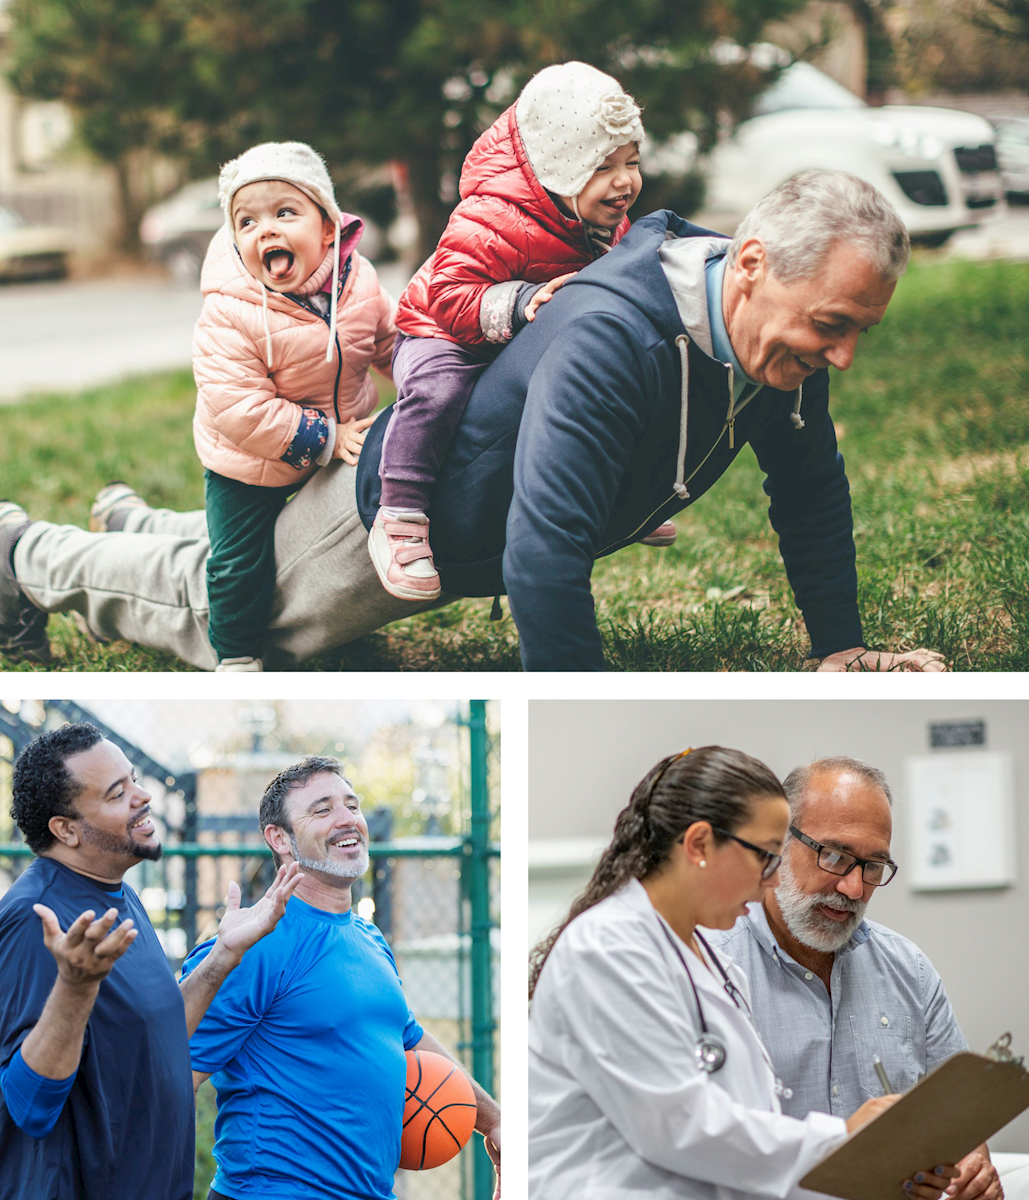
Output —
(874, 871)
(771, 860)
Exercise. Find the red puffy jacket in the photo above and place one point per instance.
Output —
(505, 227)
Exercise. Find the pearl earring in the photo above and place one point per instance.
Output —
(703, 863)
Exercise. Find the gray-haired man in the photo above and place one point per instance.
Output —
(830, 990)
(627, 397)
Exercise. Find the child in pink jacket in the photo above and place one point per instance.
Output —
(293, 318)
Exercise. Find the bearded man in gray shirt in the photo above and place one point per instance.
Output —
(830, 990)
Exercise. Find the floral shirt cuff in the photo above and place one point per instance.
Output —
(309, 440)
(325, 457)
(498, 310)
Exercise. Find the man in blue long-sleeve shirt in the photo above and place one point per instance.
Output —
(96, 1096)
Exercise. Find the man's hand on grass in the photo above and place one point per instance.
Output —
(859, 659)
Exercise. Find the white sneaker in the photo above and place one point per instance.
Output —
(239, 664)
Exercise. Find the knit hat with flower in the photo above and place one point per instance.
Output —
(571, 117)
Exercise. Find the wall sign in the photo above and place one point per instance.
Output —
(957, 733)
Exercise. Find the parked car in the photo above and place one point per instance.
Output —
(30, 251)
(178, 231)
(937, 166)
(1013, 154)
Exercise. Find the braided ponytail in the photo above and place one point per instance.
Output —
(710, 784)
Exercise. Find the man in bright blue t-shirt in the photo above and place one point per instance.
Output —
(306, 1041)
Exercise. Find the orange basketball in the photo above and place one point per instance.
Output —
(439, 1114)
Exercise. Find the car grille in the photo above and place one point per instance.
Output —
(922, 187)
(976, 158)
(48, 263)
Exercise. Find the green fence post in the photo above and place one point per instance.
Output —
(481, 924)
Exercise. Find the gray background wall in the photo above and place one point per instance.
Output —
(586, 756)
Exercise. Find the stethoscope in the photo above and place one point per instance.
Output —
(710, 1051)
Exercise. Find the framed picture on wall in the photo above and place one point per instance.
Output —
(961, 815)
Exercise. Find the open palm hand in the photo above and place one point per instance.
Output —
(240, 928)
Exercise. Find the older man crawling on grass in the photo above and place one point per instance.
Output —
(625, 400)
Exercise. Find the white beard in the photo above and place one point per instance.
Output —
(806, 923)
(331, 866)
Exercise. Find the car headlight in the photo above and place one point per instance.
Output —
(906, 139)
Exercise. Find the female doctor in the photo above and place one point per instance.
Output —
(646, 1075)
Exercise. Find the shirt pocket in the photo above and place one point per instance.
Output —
(886, 1034)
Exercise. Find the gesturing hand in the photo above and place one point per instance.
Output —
(860, 659)
(544, 294)
(240, 928)
(88, 951)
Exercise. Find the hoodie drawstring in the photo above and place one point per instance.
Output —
(795, 417)
(267, 327)
(679, 487)
(330, 348)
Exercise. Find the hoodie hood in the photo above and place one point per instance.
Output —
(684, 263)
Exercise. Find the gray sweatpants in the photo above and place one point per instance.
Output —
(148, 584)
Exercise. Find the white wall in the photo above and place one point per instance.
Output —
(586, 757)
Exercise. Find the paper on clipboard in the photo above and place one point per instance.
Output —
(955, 1108)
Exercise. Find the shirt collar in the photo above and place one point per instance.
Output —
(762, 931)
(714, 276)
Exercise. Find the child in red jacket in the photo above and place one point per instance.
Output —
(544, 191)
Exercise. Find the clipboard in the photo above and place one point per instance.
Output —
(952, 1110)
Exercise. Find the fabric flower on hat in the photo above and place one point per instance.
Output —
(618, 114)
(571, 117)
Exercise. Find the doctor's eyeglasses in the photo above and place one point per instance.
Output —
(874, 871)
(771, 861)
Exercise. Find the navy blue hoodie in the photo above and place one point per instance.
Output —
(568, 450)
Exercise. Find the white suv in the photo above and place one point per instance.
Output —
(937, 166)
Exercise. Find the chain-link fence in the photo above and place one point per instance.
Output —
(428, 774)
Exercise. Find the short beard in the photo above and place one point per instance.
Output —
(111, 843)
(328, 865)
(806, 923)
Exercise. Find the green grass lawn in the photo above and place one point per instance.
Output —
(934, 424)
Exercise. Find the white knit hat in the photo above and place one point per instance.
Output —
(304, 168)
(292, 162)
(571, 117)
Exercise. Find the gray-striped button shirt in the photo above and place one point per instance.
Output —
(887, 999)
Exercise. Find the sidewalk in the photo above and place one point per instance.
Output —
(68, 336)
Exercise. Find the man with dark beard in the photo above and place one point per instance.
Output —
(307, 1042)
(830, 990)
(95, 1096)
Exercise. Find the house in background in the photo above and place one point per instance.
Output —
(42, 175)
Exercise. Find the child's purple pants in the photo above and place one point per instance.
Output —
(434, 379)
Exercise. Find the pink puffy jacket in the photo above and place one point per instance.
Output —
(245, 417)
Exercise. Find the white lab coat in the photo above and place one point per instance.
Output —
(619, 1109)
